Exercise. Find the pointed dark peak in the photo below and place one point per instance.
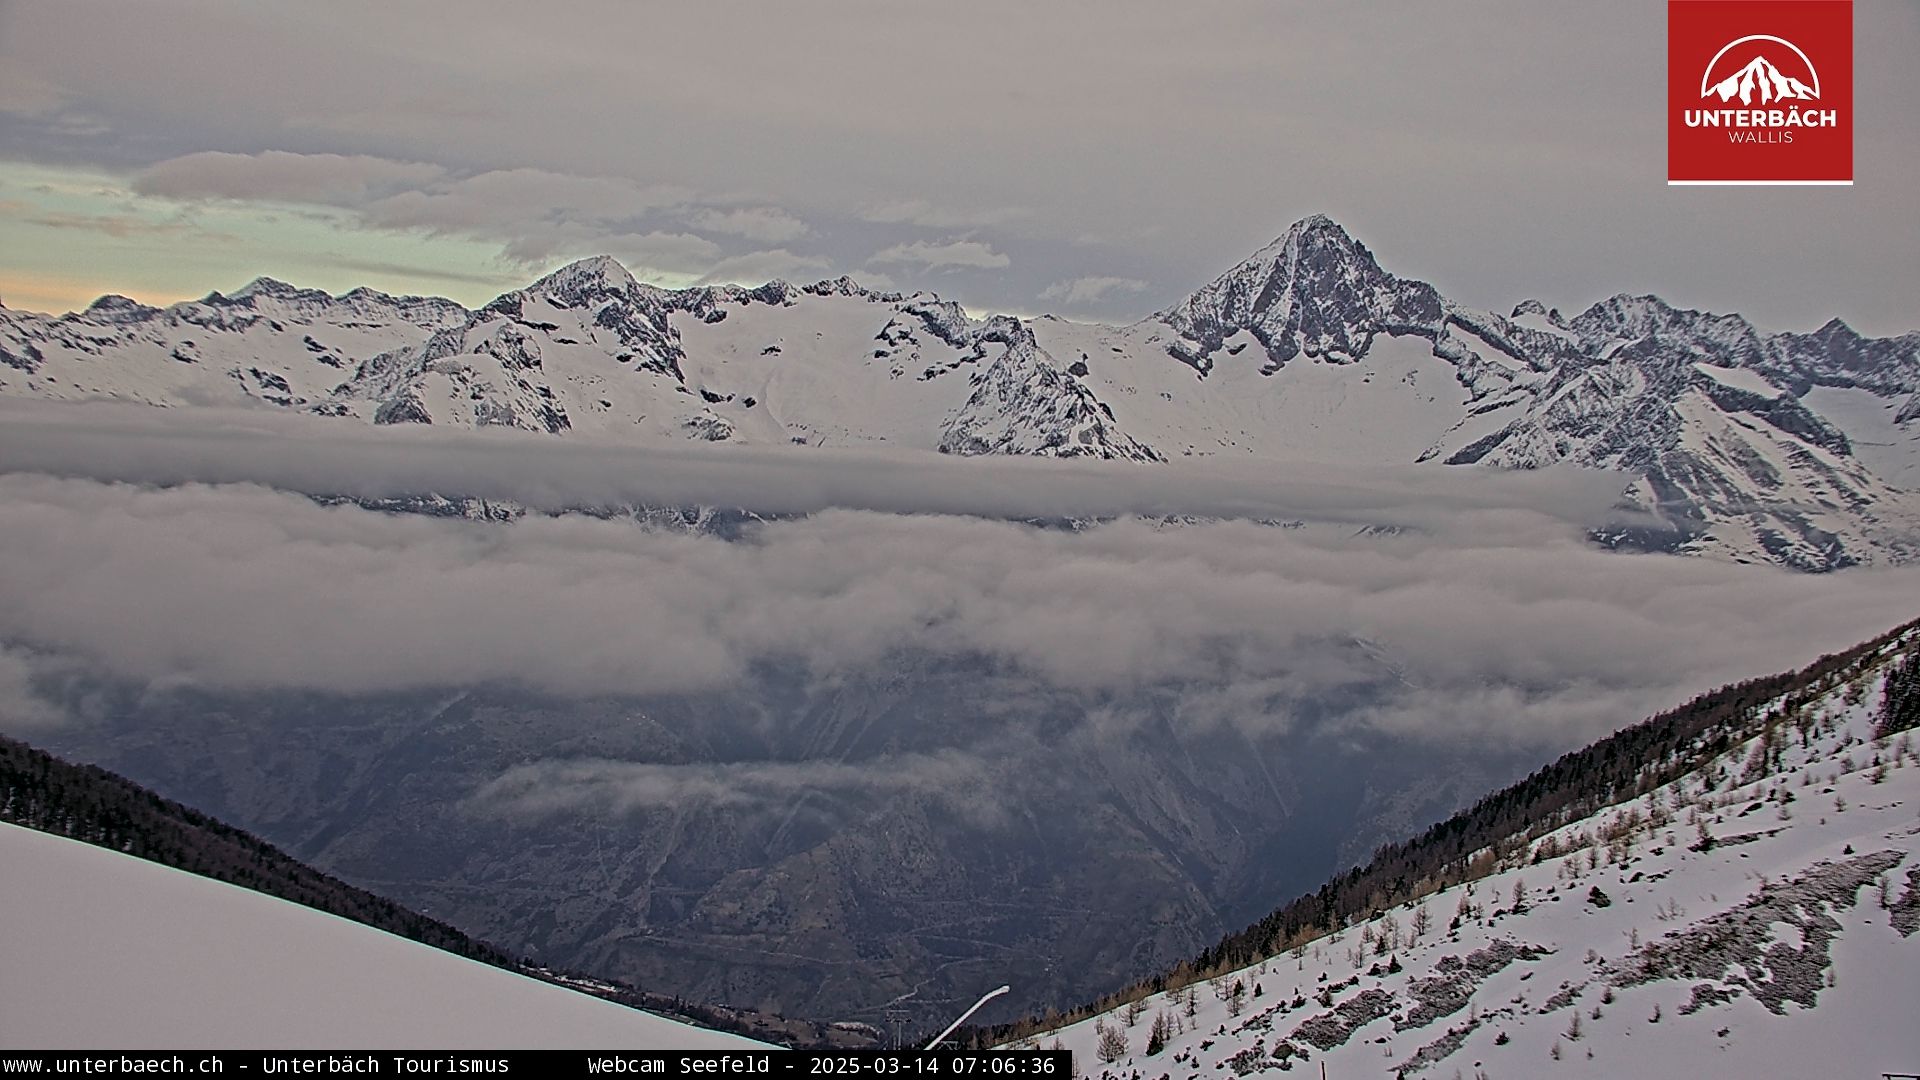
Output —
(1311, 247)
(1316, 231)
(1316, 238)
(1624, 314)
(1837, 353)
(1316, 250)
(1319, 225)
(1837, 329)
(1315, 290)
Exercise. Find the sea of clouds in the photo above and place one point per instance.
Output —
(173, 547)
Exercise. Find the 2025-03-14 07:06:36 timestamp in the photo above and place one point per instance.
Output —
(1045, 1064)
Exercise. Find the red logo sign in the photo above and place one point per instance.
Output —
(1759, 92)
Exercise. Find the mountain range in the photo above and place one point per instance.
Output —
(1798, 449)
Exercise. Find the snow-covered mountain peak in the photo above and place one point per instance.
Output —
(1626, 317)
(778, 292)
(1534, 309)
(1319, 236)
(840, 286)
(1316, 239)
(585, 277)
(1626, 312)
(114, 308)
(1024, 402)
(265, 286)
(1315, 290)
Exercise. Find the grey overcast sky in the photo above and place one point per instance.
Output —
(1097, 160)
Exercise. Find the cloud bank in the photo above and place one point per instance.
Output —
(1491, 621)
(933, 256)
(1088, 290)
(608, 788)
(537, 216)
(143, 445)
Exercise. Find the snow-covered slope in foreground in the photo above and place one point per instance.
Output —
(1785, 946)
(105, 951)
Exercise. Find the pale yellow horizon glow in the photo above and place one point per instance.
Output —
(70, 236)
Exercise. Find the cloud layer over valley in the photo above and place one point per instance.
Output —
(316, 456)
(1488, 617)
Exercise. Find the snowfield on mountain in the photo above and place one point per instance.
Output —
(1757, 916)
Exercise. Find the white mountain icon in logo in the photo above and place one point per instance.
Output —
(1760, 80)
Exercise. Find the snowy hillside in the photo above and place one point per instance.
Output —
(268, 342)
(1755, 915)
(106, 951)
(1796, 449)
